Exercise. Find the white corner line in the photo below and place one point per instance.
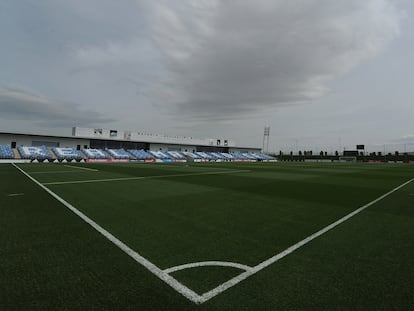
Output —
(82, 168)
(208, 264)
(180, 288)
(142, 177)
(230, 283)
(184, 290)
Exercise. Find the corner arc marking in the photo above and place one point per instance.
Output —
(208, 264)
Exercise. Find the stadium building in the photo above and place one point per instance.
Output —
(100, 145)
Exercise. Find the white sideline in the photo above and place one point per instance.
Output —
(208, 263)
(184, 290)
(143, 177)
(82, 168)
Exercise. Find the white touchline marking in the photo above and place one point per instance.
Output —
(208, 263)
(82, 168)
(15, 194)
(182, 289)
(141, 177)
(230, 283)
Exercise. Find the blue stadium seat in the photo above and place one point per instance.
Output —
(205, 156)
(119, 154)
(249, 156)
(160, 155)
(192, 155)
(67, 153)
(141, 154)
(217, 156)
(6, 152)
(239, 156)
(95, 154)
(176, 155)
(34, 153)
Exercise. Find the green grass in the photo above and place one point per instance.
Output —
(51, 260)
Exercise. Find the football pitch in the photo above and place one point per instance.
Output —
(207, 236)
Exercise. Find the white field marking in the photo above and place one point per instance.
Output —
(208, 263)
(230, 283)
(52, 172)
(182, 289)
(180, 166)
(142, 177)
(15, 194)
(82, 168)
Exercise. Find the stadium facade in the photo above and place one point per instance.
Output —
(107, 138)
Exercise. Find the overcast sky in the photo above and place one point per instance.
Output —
(322, 74)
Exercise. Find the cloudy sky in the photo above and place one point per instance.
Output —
(322, 74)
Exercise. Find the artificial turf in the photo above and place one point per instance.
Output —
(182, 213)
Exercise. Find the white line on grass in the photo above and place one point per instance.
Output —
(226, 285)
(142, 177)
(82, 168)
(208, 263)
(53, 172)
(182, 289)
(15, 194)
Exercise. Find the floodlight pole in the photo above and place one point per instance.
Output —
(266, 135)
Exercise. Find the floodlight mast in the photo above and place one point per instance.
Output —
(266, 136)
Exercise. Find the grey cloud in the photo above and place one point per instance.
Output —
(229, 58)
(17, 104)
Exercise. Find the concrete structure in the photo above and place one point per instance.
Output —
(104, 138)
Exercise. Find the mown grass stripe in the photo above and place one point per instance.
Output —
(142, 177)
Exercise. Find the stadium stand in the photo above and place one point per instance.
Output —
(141, 154)
(192, 155)
(262, 156)
(176, 155)
(227, 156)
(249, 156)
(119, 154)
(237, 156)
(217, 156)
(160, 155)
(34, 153)
(205, 156)
(95, 154)
(6, 152)
(67, 153)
